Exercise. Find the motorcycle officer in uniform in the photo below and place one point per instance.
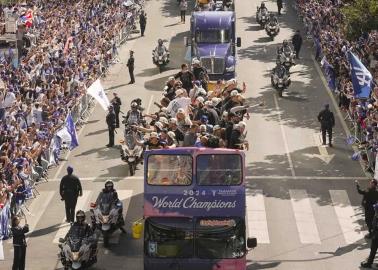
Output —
(85, 232)
(110, 192)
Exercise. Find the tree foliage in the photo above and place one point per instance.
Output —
(360, 16)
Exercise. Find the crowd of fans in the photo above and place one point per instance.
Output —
(190, 115)
(323, 20)
(73, 44)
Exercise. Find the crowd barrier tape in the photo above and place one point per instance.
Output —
(359, 134)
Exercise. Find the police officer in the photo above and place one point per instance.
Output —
(116, 102)
(279, 6)
(327, 122)
(142, 22)
(370, 197)
(82, 230)
(19, 243)
(130, 65)
(70, 189)
(374, 239)
(111, 122)
(109, 194)
(297, 43)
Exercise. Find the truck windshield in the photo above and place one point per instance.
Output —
(169, 237)
(220, 238)
(213, 36)
(219, 170)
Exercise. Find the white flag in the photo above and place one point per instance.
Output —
(97, 91)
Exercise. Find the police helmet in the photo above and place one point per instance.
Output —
(285, 42)
(80, 216)
(109, 184)
(160, 41)
(134, 105)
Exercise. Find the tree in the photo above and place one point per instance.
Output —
(360, 16)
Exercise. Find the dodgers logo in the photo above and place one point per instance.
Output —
(363, 76)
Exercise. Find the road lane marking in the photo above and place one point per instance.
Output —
(256, 216)
(1, 251)
(304, 217)
(338, 112)
(324, 156)
(123, 195)
(347, 216)
(284, 137)
(82, 204)
(38, 207)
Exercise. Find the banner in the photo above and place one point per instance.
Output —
(71, 128)
(361, 77)
(97, 91)
(330, 73)
(68, 133)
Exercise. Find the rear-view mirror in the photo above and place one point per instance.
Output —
(252, 242)
(238, 42)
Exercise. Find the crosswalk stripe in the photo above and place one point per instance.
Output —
(256, 215)
(347, 216)
(38, 207)
(82, 204)
(122, 195)
(304, 217)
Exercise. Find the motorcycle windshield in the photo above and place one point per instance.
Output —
(105, 207)
(130, 142)
(74, 239)
(160, 50)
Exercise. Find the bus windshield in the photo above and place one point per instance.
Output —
(219, 170)
(220, 238)
(169, 170)
(169, 238)
(213, 36)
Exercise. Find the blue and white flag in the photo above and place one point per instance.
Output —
(361, 77)
(71, 129)
(330, 73)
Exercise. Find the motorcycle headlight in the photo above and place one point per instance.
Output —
(230, 69)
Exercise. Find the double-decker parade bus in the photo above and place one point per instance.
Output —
(194, 210)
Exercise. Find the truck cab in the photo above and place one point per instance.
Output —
(213, 41)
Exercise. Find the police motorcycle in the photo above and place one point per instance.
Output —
(286, 55)
(160, 55)
(105, 216)
(262, 15)
(280, 78)
(77, 252)
(131, 153)
(272, 28)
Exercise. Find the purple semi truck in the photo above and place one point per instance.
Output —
(213, 41)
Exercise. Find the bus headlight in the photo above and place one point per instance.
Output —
(230, 69)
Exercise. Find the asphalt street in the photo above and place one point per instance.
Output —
(302, 203)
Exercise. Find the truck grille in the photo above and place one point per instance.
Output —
(213, 65)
